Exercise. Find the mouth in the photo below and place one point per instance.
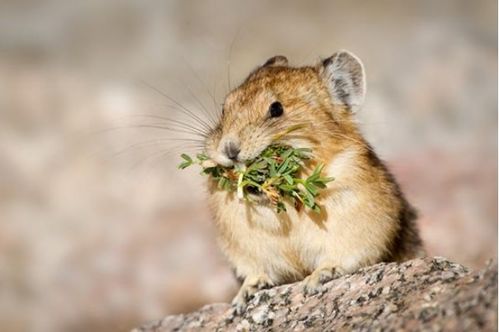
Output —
(232, 167)
(252, 190)
(222, 160)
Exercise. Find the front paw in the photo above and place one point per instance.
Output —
(250, 286)
(239, 304)
(314, 282)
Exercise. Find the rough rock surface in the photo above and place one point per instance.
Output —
(431, 294)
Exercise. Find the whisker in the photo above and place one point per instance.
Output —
(162, 154)
(205, 86)
(154, 142)
(183, 125)
(203, 107)
(181, 130)
(230, 58)
(182, 108)
(191, 115)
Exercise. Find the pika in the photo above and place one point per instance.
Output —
(364, 218)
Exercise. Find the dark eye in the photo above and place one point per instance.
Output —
(275, 109)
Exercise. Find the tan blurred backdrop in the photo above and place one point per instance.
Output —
(99, 230)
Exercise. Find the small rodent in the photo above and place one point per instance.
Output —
(364, 219)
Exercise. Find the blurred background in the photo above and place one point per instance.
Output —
(98, 229)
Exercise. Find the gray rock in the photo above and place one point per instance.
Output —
(431, 294)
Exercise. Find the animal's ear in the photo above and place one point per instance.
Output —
(275, 61)
(278, 60)
(343, 74)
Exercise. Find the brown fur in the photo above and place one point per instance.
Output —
(365, 218)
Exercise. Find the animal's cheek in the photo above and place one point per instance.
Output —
(210, 147)
(253, 145)
(301, 142)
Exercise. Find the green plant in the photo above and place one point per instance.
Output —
(274, 173)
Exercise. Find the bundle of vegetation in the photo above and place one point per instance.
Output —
(274, 173)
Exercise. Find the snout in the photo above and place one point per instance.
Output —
(238, 148)
(228, 151)
(232, 150)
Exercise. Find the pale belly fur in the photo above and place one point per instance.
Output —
(290, 245)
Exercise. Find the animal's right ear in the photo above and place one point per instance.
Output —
(344, 76)
(278, 60)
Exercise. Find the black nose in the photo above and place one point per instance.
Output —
(232, 150)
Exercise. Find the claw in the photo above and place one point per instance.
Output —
(250, 286)
(313, 284)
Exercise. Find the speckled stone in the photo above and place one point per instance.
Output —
(431, 294)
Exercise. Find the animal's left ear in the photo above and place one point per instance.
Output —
(278, 60)
(343, 74)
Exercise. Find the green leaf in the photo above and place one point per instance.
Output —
(288, 178)
(201, 157)
(186, 157)
(276, 168)
(184, 164)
